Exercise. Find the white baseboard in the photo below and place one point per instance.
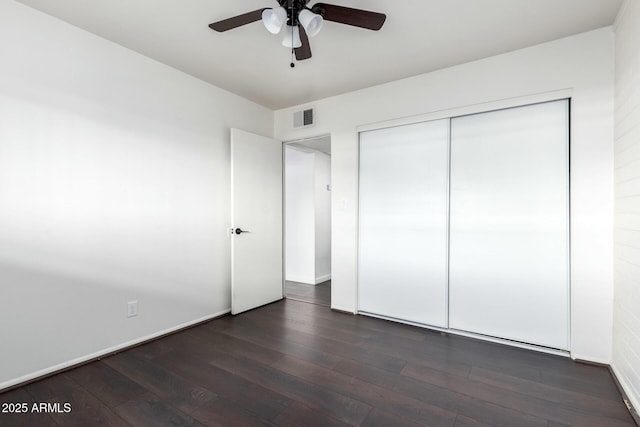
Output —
(634, 400)
(104, 352)
(322, 279)
(301, 279)
(309, 280)
(589, 359)
(343, 310)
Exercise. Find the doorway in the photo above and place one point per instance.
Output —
(307, 220)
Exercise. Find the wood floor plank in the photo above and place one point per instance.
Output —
(362, 324)
(401, 406)
(341, 349)
(272, 346)
(517, 401)
(263, 345)
(431, 358)
(230, 343)
(163, 383)
(587, 384)
(471, 407)
(256, 399)
(17, 415)
(380, 418)
(387, 327)
(299, 415)
(362, 371)
(85, 408)
(579, 401)
(105, 383)
(224, 413)
(462, 421)
(148, 410)
(307, 324)
(259, 330)
(464, 351)
(453, 354)
(322, 399)
(156, 348)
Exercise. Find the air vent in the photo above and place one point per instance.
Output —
(303, 118)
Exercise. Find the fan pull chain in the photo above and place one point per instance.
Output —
(292, 56)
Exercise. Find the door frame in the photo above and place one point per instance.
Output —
(284, 202)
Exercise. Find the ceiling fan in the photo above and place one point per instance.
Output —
(302, 22)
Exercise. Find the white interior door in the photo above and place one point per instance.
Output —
(402, 267)
(256, 219)
(509, 247)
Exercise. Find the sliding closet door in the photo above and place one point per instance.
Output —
(509, 237)
(402, 270)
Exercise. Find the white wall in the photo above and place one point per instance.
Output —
(299, 216)
(626, 318)
(323, 217)
(581, 64)
(114, 186)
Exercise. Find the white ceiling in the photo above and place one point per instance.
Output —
(419, 36)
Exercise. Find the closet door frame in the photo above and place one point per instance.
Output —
(522, 101)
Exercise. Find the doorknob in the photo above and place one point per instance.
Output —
(240, 231)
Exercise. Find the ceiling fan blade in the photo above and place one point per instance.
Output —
(237, 21)
(346, 15)
(303, 52)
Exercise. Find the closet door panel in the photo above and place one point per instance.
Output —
(402, 270)
(509, 236)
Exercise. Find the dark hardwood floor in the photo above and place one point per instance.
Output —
(315, 294)
(297, 364)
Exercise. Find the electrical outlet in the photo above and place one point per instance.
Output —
(132, 308)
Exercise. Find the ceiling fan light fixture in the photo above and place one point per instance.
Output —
(291, 37)
(274, 19)
(312, 22)
(301, 22)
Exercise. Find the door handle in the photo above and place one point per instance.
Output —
(240, 231)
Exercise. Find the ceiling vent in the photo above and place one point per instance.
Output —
(303, 118)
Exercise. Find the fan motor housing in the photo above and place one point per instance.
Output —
(293, 8)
